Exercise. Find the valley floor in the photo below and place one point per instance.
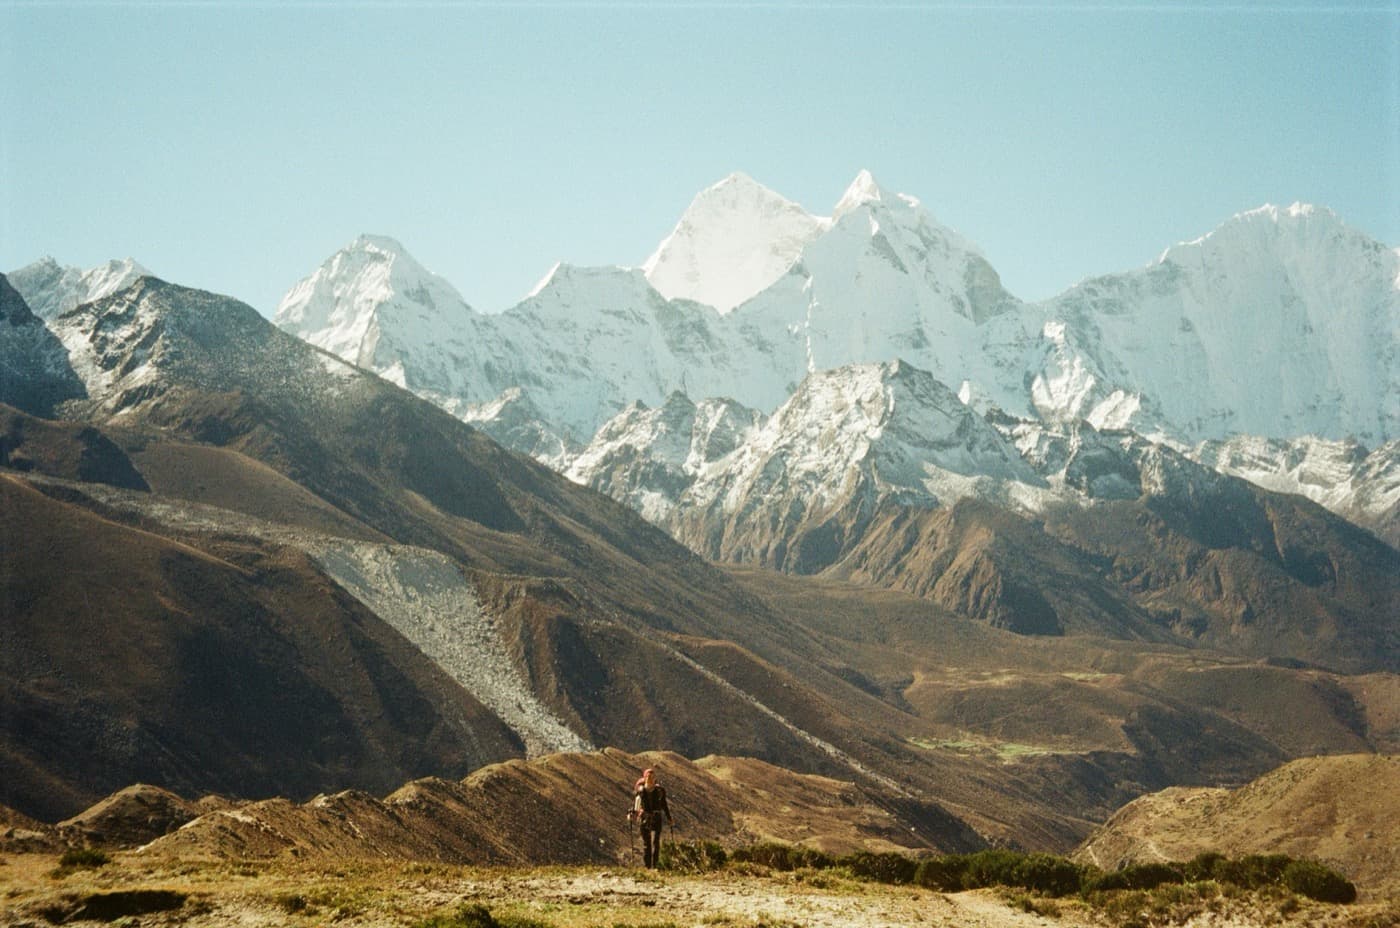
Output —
(138, 889)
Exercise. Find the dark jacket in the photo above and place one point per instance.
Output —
(650, 802)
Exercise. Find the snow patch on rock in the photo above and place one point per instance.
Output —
(52, 289)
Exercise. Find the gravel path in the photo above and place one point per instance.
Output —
(749, 901)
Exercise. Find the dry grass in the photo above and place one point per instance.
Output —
(288, 891)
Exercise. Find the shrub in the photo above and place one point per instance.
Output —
(1042, 873)
(1033, 905)
(1317, 881)
(944, 874)
(882, 868)
(1202, 867)
(1126, 909)
(1254, 871)
(784, 857)
(520, 921)
(828, 878)
(84, 857)
(1048, 874)
(1137, 876)
(771, 854)
(700, 857)
(991, 868)
(811, 857)
(468, 915)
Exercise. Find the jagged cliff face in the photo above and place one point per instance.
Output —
(34, 371)
(1279, 323)
(802, 488)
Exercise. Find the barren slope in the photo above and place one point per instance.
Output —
(570, 808)
(128, 656)
(1343, 810)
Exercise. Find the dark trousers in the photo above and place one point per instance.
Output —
(651, 843)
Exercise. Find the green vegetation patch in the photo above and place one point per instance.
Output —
(84, 857)
(697, 857)
(476, 915)
(1048, 875)
(977, 747)
(1316, 881)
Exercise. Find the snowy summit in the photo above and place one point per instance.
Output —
(735, 239)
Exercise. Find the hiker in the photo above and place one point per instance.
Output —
(648, 805)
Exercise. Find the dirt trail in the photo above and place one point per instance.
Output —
(753, 901)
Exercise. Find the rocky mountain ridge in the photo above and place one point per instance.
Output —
(1337, 809)
(1280, 323)
(486, 818)
(52, 289)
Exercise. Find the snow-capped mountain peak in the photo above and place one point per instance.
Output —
(1264, 227)
(544, 281)
(863, 190)
(568, 283)
(52, 289)
(370, 287)
(736, 238)
(1280, 322)
(386, 244)
(846, 439)
(1275, 323)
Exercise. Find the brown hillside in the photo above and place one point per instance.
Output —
(1298, 711)
(233, 481)
(987, 563)
(569, 808)
(1005, 725)
(202, 671)
(597, 626)
(21, 834)
(1230, 566)
(1343, 810)
(1257, 573)
(130, 817)
(63, 449)
(1378, 696)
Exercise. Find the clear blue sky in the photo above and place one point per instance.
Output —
(234, 146)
